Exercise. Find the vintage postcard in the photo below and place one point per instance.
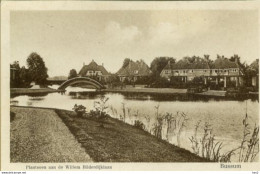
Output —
(121, 85)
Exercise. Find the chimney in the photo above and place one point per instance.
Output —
(103, 64)
(83, 63)
(236, 60)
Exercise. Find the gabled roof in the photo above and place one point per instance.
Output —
(93, 66)
(255, 65)
(202, 63)
(223, 63)
(140, 67)
(168, 66)
(191, 63)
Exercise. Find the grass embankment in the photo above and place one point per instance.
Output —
(148, 90)
(39, 135)
(120, 142)
(19, 91)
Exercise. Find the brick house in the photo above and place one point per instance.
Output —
(221, 70)
(133, 71)
(94, 70)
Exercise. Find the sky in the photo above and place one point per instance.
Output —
(67, 39)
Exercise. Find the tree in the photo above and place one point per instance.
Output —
(72, 74)
(159, 63)
(36, 69)
(236, 58)
(126, 62)
(14, 74)
(24, 77)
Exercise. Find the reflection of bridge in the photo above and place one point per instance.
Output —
(85, 80)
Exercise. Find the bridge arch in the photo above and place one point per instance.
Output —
(85, 80)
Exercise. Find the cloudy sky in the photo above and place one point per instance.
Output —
(66, 39)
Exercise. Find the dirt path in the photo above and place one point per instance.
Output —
(41, 136)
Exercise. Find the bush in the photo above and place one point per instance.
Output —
(79, 109)
(101, 108)
(98, 115)
(138, 124)
(160, 83)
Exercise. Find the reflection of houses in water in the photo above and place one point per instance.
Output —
(221, 71)
(85, 95)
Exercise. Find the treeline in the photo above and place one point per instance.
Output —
(35, 71)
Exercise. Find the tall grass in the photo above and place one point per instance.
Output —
(207, 146)
(182, 119)
(124, 111)
(174, 124)
(194, 139)
(249, 146)
(210, 149)
(157, 127)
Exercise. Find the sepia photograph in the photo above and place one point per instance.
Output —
(136, 84)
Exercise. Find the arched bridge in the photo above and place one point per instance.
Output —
(85, 80)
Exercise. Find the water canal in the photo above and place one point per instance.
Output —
(225, 116)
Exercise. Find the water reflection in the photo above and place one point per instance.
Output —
(225, 115)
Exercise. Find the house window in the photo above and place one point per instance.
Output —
(184, 71)
(216, 71)
(205, 70)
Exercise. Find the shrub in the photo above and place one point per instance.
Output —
(138, 124)
(101, 108)
(79, 109)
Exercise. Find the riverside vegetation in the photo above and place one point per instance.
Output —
(107, 139)
(206, 146)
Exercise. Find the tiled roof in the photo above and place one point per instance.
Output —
(93, 66)
(223, 63)
(201, 63)
(191, 63)
(255, 65)
(138, 68)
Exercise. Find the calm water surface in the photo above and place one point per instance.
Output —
(225, 116)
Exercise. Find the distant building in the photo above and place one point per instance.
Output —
(255, 76)
(94, 70)
(133, 71)
(221, 70)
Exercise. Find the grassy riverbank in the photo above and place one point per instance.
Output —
(20, 91)
(116, 142)
(120, 142)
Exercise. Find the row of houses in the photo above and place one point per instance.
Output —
(222, 70)
(132, 72)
